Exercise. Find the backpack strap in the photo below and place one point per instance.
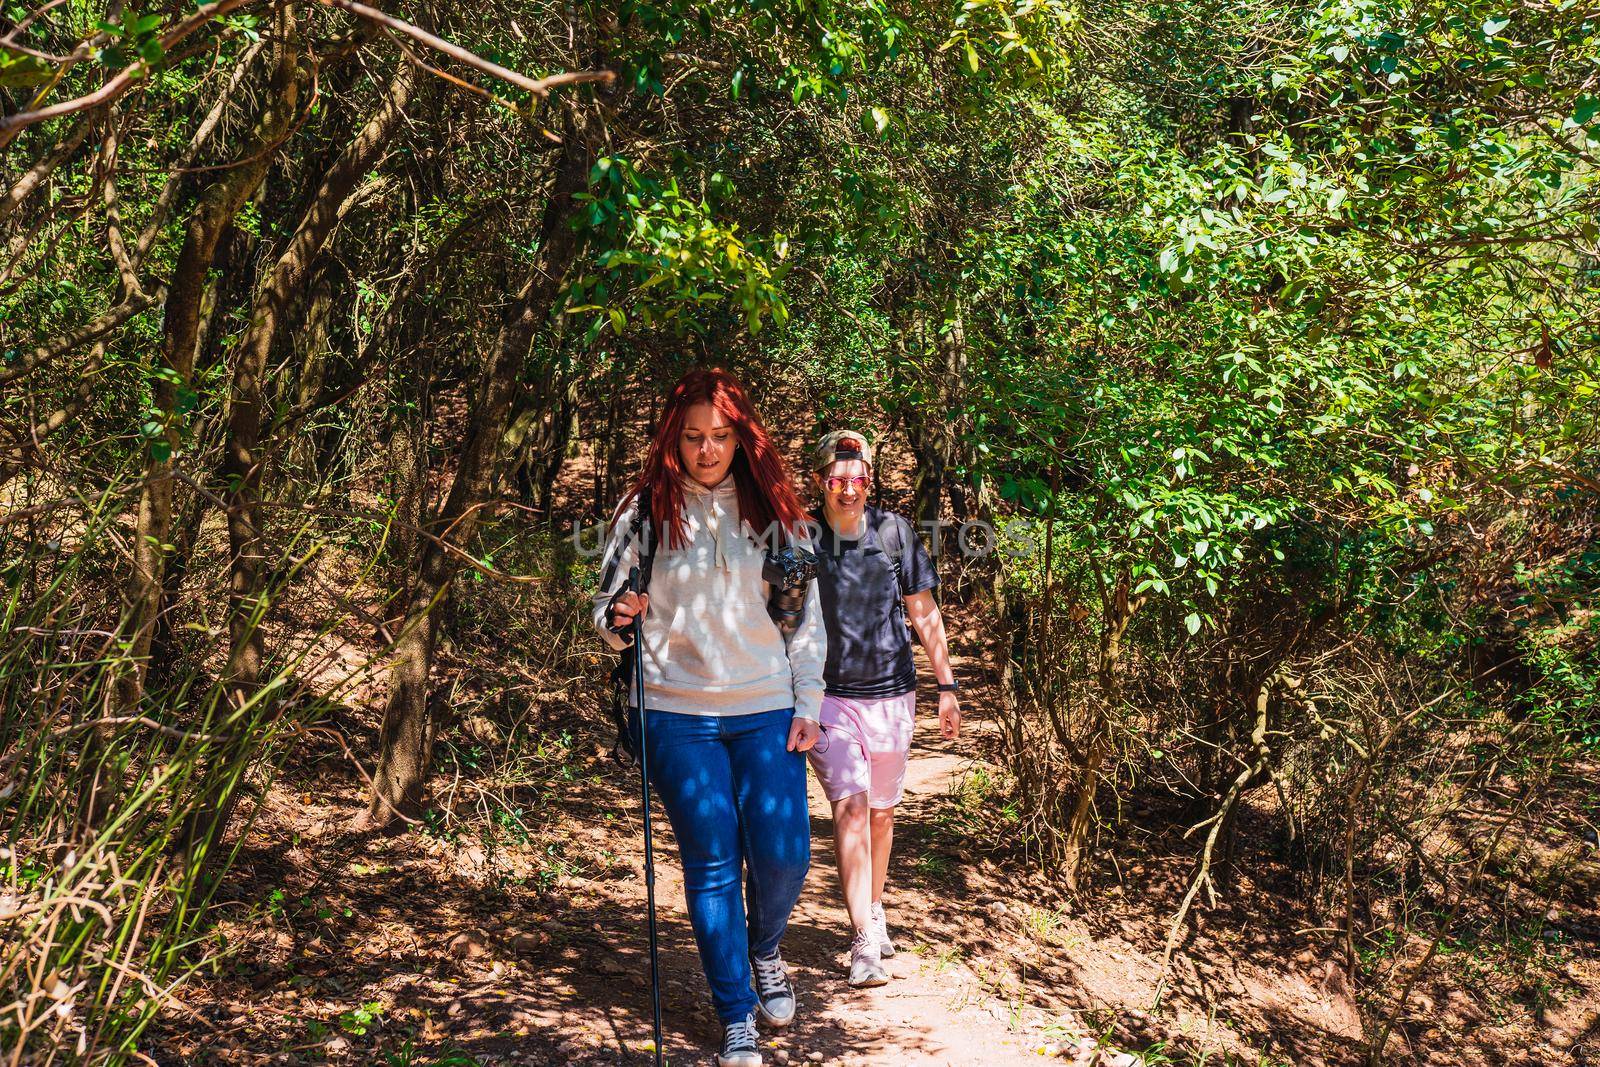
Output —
(890, 539)
(622, 749)
(637, 527)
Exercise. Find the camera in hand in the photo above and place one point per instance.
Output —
(789, 571)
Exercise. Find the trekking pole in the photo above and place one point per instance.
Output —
(644, 791)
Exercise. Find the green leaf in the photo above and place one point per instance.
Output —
(1492, 27)
(1192, 622)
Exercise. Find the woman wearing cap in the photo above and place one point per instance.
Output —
(872, 574)
(732, 701)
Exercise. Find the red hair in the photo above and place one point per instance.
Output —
(766, 494)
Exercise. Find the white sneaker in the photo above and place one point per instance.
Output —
(739, 1046)
(775, 993)
(866, 968)
(880, 930)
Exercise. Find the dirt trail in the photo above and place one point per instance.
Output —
(936, 1010)
(994, 968)
(415, 950)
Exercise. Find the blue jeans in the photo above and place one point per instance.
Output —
(736, 799)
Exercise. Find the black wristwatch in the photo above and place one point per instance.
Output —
(953, 687)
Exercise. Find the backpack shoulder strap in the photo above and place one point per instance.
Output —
(647, 547)
(891, 540)
(637, 526)
(622, 749)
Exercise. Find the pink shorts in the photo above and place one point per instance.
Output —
(864, 746)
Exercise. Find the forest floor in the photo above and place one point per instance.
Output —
(513, 932)
(509, 926)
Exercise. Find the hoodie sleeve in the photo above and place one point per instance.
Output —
(625, 551)
(808, 653)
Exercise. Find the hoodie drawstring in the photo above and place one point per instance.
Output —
(716, 514)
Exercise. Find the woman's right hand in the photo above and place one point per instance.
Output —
(626, 606)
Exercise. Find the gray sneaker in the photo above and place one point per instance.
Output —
(866, 970)
(774, 991)
(880, 930)
(739, 1047)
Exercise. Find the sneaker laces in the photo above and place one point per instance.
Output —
(740, 1036)
(772, 977)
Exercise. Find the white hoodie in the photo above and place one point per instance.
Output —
(710, 648)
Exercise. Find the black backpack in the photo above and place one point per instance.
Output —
(622, 749)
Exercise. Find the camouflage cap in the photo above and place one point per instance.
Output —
(841, 444)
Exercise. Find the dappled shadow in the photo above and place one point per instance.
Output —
(504, 973)
(527, 944)
(464, 953)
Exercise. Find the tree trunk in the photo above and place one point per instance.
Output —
(1119, 609)
(215, 211)
(403, 756)
(185, 535)
(923, 423)
(608, 474)
(242, 458)
(539, 435)
(559, 442)
(408, 479)
(305, 450)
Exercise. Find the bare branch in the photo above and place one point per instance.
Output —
(127, 272)
(537, 86)
(29, 20)
(41, 170)
(122, 81)
(67, 342)
(89, 383)
(169, 190)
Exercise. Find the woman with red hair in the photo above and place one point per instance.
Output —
(732, 699)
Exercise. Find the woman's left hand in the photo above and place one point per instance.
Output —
(803, 733)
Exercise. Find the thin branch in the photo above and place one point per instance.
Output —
(537, 86)
(169, 189)
(478, 90)
(89, 384)
(66, 343)
(1202, 876)
(126, 270)
(41, 170)
(122, 81)
(29, 19)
